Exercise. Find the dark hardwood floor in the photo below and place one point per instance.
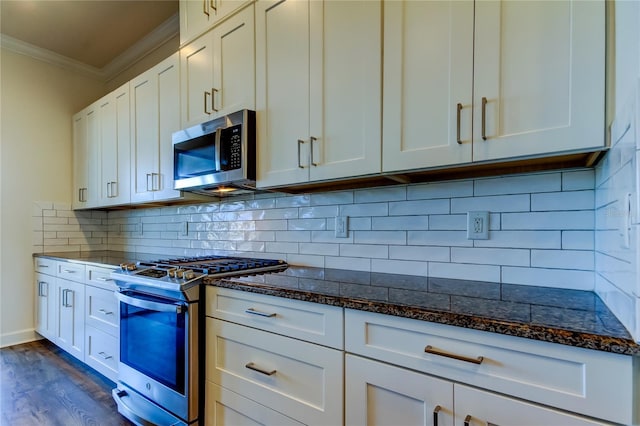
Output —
(43, 385)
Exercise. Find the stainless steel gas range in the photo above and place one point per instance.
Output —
(161, 337)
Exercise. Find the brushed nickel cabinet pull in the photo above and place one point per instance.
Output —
(484, 118)
(260, 314)
(114, 189)
(458, 109)
(105, 312)
(148, 176)
(205, 102)
(213, 99)
(213, 6)
(108, 189)
(467, 420)
(436, 410)
(252, 366)
(104, 355)
(313, 139)
(300, 142)
(431, 350)
(204, 7)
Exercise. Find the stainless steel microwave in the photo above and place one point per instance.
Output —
(216, 157)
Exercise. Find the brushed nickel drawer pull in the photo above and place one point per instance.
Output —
(431, 350)
(252, 366)
(435, 415)
(261, 314)
(104, 355)
(105, 312)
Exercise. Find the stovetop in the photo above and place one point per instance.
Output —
(177, 277)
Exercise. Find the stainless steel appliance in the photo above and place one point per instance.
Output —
(162, 337)
(217, 157)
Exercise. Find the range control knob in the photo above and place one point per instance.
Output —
(128, 266)
(171, 273)
(189, 274)
(179, 273)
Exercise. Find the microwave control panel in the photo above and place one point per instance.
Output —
(231, 148)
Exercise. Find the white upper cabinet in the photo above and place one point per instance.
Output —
(318, 95)
(81, 160)
(197, 16)
(114, 115)
(218, 70)
(540, 66)
(428, 78)
(530, 79)
(155, 115)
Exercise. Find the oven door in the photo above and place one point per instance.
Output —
(157, 336)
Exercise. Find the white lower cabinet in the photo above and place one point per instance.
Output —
(45, 305)
(102, 352)
(382, 394)
(69, 333)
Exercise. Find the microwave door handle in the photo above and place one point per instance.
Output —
(146, 304)
(217, 139)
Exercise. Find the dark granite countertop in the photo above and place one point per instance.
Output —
(570, 317)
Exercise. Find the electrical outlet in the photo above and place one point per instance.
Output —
(342, 226)
(477, 225)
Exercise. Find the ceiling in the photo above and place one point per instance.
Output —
(92, 32)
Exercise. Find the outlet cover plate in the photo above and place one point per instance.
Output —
(478, 225)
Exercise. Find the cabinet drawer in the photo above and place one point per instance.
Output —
(44, 265)
(70, 271)
(102, 352)
(299, 379)
(224, 407)
(570, 378)
(312, 322)
(100, 277)
(102, 310)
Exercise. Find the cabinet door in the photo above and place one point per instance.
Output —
(155, 115)
(91, 194)
(102, 352)
(382, 394)
(282, 91)
(224, 407)
(196, 62)
(80, 160)
(234, 67)
(114, 115)
(70, 317)
(45, 305)
(428, 66)
(475, 407)
(540, 67)
(194, 18)
(345, 75)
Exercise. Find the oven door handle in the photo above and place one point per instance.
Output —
(146, 304)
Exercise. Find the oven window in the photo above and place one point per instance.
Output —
(196, 157)
(153, 342)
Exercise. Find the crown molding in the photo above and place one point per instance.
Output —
(160, 35)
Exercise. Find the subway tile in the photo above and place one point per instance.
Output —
(500, 203)
(328, 198)
(286, 213)
(575, 220)
(460, 271)
(375, 195)
(306, 260)
(294, 236)
(403, 267)
(400, 223)
(307, 224)
(380, 237)
(367, 209)
(364, 250)
(578, 180)
(568, 200)
(254, 246)
(349, 263)
(420, 253)
(522, 239)
(419, 207)
(330, 237)
(260, 204)
(563, 259)
(319, 211)
(260, 236)
(322, 249)
(293, 201)
(50, 220)
(522, 184)
(61, 206)
(559, 278)
(490, 256)
(425, 191)
(282, 247)
(39, 206)
(448, 222)
(271, 225)
(438, 238)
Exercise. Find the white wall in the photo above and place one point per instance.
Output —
(37, 102)
(617, 272)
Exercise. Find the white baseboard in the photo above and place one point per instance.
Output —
(18, 337)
